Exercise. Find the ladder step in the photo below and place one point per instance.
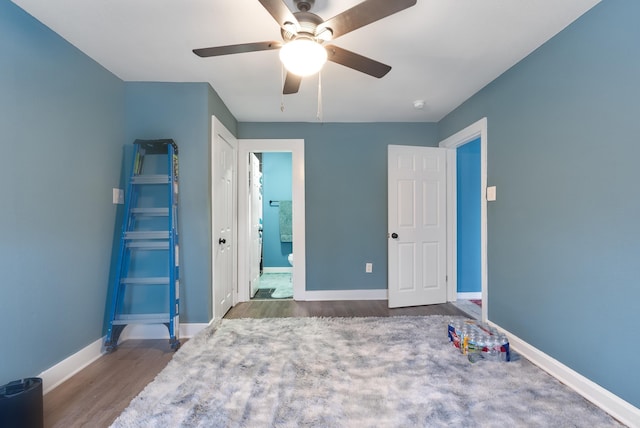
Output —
(157, 147)
(159, 280)
(150, 179)
(151, 212)
(149, 245)
(152, 234)
(141, 319)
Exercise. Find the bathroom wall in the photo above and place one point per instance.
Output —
(276, 186)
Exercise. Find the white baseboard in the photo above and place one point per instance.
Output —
(54, 376)
(322, 295)
(187, 331)
(620, 409)
(283, 269)
(469, 295)
(159, 331)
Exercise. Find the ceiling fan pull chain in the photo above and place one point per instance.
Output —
(281, 85)
(319, 113)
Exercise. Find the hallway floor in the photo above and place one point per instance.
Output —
(472, 309)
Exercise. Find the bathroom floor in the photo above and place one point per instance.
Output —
(274, 286)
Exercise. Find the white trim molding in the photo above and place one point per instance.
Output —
(56, 375)
(620, 409)
(477, 295)
(65, 369)
(296, 147)
(327, 295)
(277, 270)
(159, 331)
(468, 134)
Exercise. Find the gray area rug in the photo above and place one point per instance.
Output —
(348, 372)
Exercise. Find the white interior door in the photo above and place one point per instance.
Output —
(223, 229)
(417, 226)
(255, 207)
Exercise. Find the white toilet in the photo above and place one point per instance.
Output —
(290, 258)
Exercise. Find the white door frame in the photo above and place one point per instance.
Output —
(218, 128)
(296, 147)
(255, 208)
(468, 134)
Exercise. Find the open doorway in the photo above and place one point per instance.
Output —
(475, 133)
(270, 213)
(469, 270)
(271, 235)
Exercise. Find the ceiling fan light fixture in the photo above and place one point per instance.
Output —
(303, 56)
(324, 34)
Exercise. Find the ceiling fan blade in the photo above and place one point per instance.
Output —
(363, 14)
(234, 49)
(356, 61)
(280, 12)
(291, 84)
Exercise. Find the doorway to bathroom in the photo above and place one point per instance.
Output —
(270, 193)
(271, 258)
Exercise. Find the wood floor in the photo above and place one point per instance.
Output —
(96, 395)
(342, 308)
(99, 393)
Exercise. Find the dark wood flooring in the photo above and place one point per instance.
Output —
(96, 395)
(342, 308)
(99, 393)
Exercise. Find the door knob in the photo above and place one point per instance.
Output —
(222, 241)
(394, 235)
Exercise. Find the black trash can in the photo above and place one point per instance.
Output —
(21, 404)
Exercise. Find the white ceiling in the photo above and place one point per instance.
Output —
(441, 51)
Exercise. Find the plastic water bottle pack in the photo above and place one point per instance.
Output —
(479, 341)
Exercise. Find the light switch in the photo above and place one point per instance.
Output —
(118, 196)
(491, 193)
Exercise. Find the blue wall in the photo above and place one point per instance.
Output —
(469, 272)
(62, 126)
(346, 195)
(564, 234)
(276, 176)
(182, 111)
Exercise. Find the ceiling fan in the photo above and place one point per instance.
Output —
(305, 35)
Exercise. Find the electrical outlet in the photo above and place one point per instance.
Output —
(368, 268)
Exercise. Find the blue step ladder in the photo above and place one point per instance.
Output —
(149, 238)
